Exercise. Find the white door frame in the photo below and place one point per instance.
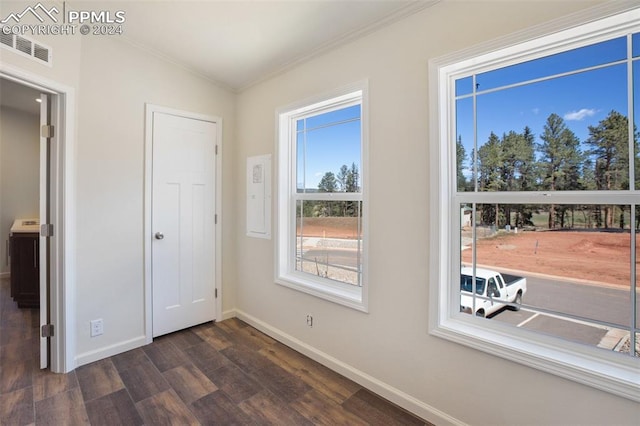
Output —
(63, 213)
(150, 109)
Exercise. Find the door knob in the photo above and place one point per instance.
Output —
(159, 235)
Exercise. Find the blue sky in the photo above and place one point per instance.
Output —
(582, 99)
(332, 139)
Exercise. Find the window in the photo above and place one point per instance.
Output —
(321, 198)
(536, 183)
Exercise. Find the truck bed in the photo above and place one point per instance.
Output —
(510, 279)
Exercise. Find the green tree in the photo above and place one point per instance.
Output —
(353, 179)
(490, 171)
(328, 183)
(490, 164)
(517, 158)
(461, 157)
(352, 185)
(559, 151)
(528, 168)
(342, 176)
(609, 142)
(527, 175)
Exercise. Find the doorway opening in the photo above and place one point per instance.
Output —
(35, 201)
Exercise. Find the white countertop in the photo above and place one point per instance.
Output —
(26, 225)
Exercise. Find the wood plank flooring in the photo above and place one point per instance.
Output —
(227, 373)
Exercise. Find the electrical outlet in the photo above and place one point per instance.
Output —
(97, 327)
(310, 320)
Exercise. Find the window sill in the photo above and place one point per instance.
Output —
(336, 293)
(551, 355)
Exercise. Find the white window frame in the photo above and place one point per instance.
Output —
(352, 296)
(610, 372)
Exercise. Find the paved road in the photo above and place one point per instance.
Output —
(590, 301)
(337, 257)
(608, 304)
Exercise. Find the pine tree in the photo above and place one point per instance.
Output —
(461, 157)
(609, 141)
(490, 170)
(328, 183)
(559, 155)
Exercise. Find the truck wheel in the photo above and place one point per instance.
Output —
(480, 313)
(517, 302)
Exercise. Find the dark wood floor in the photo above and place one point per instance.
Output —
(226, 373)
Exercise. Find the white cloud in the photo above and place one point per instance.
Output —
(579, 115)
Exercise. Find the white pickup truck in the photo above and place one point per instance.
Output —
(494, 291)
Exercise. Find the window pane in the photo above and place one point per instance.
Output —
(568, 133)
(300, 161)
(329, 240)
(636, 109)
(333, 117)
(464, 144)
(464, 86)
(328, 158)
(572, 60)
(472, 290)
(577, 279)
(636, 44)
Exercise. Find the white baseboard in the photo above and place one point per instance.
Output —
(394, 395)
(228, 314)
(98, 354)
(5, 274)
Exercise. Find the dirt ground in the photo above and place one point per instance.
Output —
(589, 255)
(329, 227)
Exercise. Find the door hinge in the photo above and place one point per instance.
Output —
(46, 230)
(47, 330)
(215, 219)
(216, 149)
(47, 131)
(216, 293)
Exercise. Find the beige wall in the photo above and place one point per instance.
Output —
(116, 80)
(391, 343)
(19, 171)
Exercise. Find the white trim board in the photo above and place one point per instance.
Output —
(106, 352)
(63, 288)
(398, 397)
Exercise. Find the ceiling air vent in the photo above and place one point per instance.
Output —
(6, 39)
(26, 47)
(41, 52)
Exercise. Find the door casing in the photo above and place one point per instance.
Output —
(62, 211)
(150, 109)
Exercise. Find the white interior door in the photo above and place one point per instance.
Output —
(45, 120)
(183, 222)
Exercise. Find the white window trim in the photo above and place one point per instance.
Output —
(614, 373)
(355, 297)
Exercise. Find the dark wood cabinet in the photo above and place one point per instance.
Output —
(25, 269)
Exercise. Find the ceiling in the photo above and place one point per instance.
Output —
(19, 97)
(239, 43)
